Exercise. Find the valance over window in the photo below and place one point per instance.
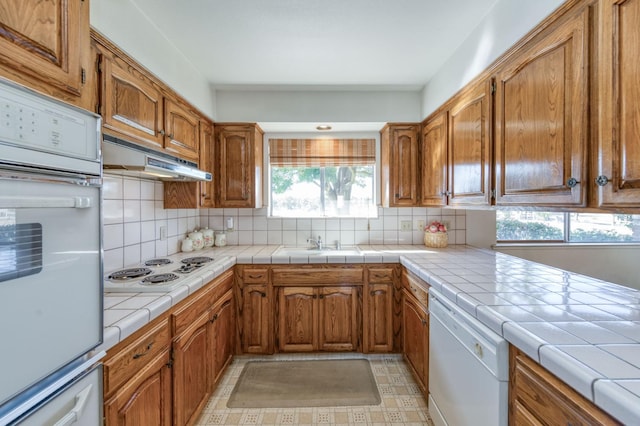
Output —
(321, 152)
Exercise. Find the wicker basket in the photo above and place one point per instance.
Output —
(436, 239)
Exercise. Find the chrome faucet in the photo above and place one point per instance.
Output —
(318, 243)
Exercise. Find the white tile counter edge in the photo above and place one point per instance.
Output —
(460, 273)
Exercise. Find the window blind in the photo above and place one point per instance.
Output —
(321, 152)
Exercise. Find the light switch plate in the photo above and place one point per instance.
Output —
(163, 233)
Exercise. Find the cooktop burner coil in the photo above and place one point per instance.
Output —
(157, 262)
(125, 274)
(198, 260)
(159, 278)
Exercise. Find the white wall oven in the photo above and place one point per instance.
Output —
(50, 260)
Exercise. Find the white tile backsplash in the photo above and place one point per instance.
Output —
(134, 213)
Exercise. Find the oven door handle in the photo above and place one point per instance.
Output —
(76, 412)
(44, 202)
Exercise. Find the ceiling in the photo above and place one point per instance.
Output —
(368, 44)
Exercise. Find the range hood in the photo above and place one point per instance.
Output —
(128, 159)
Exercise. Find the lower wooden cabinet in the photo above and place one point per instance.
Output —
(165, 372)
(145, 399)
(192, 354)
(378, 320)
(137, 379)
(416, 339)
(537, 397)
(415, 329)
(254, 310)
(317, 319)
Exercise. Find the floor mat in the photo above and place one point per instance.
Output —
(323, 383)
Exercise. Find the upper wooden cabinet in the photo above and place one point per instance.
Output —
(399, 158)
(469, 146)
(45, 45)
(617, 168)
(239, 165)
(434, 161)
(207, 163)
(541, 109)
(131, 104)
(138, 107)
(182, 133)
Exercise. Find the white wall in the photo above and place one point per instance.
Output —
(616, 264)
(317, 106)
(506, 23)
(125, 25)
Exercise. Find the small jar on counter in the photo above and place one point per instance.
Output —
(220, 239)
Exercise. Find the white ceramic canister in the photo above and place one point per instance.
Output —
(221, 239)
(187, 245)
(207, 234)
(198, 239)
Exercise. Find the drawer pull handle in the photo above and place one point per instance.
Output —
(215, 317)
(255, 277)
(136, 356)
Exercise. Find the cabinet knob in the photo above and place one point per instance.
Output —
(263, 294)
(321, 296)
(602, 180)
(572, 182)
(162, 133)
(423, 321)
(171, 136)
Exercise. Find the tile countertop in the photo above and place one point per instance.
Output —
(584, 330)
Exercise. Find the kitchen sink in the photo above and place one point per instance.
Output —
(327, 251)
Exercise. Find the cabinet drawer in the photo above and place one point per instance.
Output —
(317, 276)
(417, 288)
(380, 275)
(255, 275)
(186, 314)
(132, 358)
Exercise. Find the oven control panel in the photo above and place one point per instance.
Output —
(33, 127)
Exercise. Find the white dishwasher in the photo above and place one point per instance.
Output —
(468, 368)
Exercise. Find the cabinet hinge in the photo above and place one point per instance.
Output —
(494, 87)
(98, 109)
(170, 363)
(83, 74)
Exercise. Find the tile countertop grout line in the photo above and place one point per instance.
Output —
(448, 270)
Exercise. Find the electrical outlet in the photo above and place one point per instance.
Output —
(405, 225)
(420, 225)
(163, 232)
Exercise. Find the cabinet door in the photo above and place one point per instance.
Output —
(207, 162)
(416, 339)
(379, 323)
(45, 40)
(223, 332)
(254, 315)
(236, 166)
(131, 104)
(619, 102)
(537, 397)
(469, 146)
(297, 315)
(145, 399)
(192, 353)
(434, 162)
(541, 133)
(403, 156)
(337, 318)
(182, 131)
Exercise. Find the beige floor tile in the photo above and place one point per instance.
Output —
(402, 402)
